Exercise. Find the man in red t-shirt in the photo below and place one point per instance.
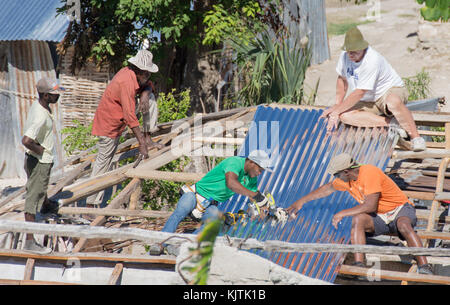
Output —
(117, 109)
(383, 208)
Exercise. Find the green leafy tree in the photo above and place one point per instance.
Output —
(78, 138)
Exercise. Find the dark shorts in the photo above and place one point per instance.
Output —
(381, 228)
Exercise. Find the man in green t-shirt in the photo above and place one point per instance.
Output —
(232, 175)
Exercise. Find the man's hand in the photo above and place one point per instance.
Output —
(143, 150)
(293, 209)
(333, 121)
(336, 219)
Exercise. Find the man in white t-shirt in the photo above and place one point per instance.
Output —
(377, 93)
(38, 141)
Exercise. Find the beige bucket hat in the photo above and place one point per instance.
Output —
(340, 162)
(354, 40)
(144, 61)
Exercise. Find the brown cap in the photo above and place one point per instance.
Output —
(48, 85)
(339, 163)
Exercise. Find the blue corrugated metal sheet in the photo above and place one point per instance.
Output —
(32, 20)
(300, 160)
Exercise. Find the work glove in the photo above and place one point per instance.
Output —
(281, 215)
(260, 199)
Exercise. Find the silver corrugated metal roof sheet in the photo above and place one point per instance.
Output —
(32, 20)
(297, 142)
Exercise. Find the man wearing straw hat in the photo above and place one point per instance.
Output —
(383, 208)
(117, 109)
(377, 93)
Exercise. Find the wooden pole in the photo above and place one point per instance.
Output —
(149, 236)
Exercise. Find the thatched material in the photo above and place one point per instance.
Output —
(84, 90)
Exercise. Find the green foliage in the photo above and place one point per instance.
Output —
(170, 108)
(273, 69)
(111, 31)
(202, 254)
(157, 193)
(239, 21)
(435, 10)
(78, 138)
(418, 86)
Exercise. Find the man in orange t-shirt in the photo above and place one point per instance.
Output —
(383, 208)
(117, 109)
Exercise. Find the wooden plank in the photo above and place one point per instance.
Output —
(149, 236)
(114, 204)
(431, 117)
(439, 188)
(29, 282)
(117, 272)
(163, 175)
(89, 257)
(29, 267)
(425, 214)
(428, 153)
(442, 196)
(395, 275)
(434, 235)
(419, 195)
(114, 212)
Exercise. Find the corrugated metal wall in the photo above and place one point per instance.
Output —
(301, 151)
(308, 18)
(23, 63)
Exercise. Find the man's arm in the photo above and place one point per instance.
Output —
(323, 191)
(143, 150)
(341, 89)
(233, 184)
(370, 205)
(33, 145)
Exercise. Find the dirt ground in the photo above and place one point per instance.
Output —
(399, 34)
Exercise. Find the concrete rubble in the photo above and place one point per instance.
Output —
(230, 266)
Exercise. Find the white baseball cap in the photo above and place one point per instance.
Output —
(261, 158)
(144, 61)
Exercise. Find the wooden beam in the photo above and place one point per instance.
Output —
(419, 195)
(428, 153)
(114, 212)
(442, 196)
(29, 267)
(117, 272)
(247, 244)
(114, 204)
(109, 257)
(394, 275)
(163, 175)
(29, 282)
(434, 235)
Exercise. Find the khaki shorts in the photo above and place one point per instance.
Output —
(379, 107)
(37, 184)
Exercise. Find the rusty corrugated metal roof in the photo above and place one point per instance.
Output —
(23, 63)
(297, 142)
